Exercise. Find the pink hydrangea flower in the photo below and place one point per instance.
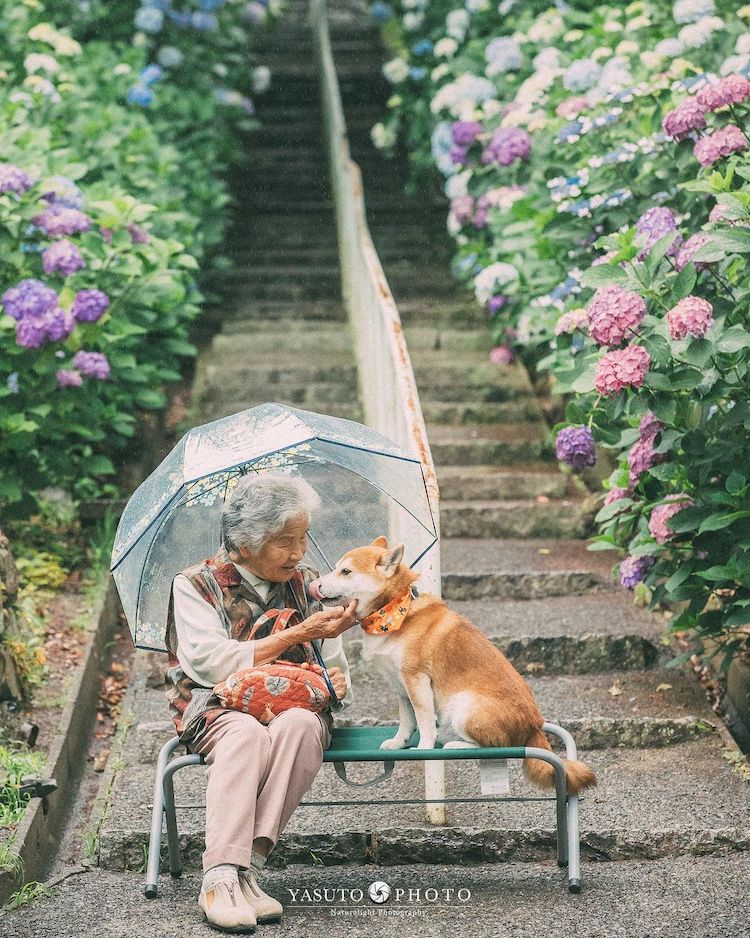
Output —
(649, 425)
(734, 89)
(69, 378)
(501, 355)
(571, 107)
(572, 320)
(657, 523)
(614, 495)
(613, 312)
(719, 144)
(603, 258)
(691, 316)
(462, 208)
(684, 119)
(620, 369)
(685, 252)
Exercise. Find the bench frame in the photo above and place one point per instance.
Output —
(567, 817)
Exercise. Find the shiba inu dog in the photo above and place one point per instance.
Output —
(454, 685)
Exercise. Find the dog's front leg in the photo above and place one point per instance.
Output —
(406, 722)
(422, 698)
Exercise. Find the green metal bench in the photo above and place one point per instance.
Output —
(362, 744)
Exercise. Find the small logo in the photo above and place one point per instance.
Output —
(379, 892)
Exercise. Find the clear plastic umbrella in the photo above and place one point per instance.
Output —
(367, 486)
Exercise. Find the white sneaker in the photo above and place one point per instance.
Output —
(267, 909)
(225, 906)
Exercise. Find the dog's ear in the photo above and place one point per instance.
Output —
(390, 560)
(380, 541)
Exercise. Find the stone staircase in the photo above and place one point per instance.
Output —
(514, 558)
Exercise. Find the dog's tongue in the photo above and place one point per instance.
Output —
(314, 589)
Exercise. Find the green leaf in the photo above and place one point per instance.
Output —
(585, 381)
(735, 483)
(99, 466)
(717, 522)
(602, 274)
(683, 283)
(733, 339)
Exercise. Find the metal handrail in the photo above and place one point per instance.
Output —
(388, 390)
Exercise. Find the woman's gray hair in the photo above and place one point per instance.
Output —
(260, 505)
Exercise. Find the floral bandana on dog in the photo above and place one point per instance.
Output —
(390, 617)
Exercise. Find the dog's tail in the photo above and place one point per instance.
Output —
(542, 774)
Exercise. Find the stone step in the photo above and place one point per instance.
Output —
(488, 443)
(475, 568)
(492, 482)
(649, 803)
(214, 404)
(247, 316)
(540, 517)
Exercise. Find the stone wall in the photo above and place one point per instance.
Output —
(10, 688)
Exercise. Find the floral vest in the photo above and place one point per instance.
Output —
(193, 706)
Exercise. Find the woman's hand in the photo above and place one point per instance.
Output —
(339, 682)
(329, 623)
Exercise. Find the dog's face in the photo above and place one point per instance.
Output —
(363, 574)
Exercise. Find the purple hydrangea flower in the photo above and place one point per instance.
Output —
(31, 298)
(496, 303)
(575, 446)
(719, 144)
(684, 119)
(59, 323)
(642, 457)
(507, 145)
(60, 221)
(14, 179)
(685, 254)
(653, 224)
(62, 257)
(31, 332)
(464, 133)
(64, 192)
(138, 235)
(68, 378)
(615, 494)
(92, 364)
(89, 305)
(634, 569)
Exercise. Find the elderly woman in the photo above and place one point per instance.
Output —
(256, 773)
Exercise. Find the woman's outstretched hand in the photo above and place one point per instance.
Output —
(330, 622)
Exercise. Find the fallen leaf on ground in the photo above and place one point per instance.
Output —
(615, 690)
(664, 687)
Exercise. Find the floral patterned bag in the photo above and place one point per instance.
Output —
(266, 690)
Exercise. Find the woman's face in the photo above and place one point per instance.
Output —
(281, 553)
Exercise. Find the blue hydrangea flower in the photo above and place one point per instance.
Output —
(181, 18)
(581, 75)
(423, 47)
(12, 382)
(205, 22)
(417, 72)
(208, 6)
(151, 74)
(381, 12)
(141, 94)
(169, 57)
(63, 191)
(149, 19)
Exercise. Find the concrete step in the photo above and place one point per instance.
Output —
(493, 482)
(649, 803)
(247, 316)
(215, 404)
(488, 443)
(474, 568)
(540, 517)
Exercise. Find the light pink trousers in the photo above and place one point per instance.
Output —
(256, 776)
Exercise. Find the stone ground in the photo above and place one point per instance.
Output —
(665, 835)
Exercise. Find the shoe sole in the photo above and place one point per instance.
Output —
(269, 919)
(231, 929)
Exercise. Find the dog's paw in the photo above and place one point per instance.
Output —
(394, 743)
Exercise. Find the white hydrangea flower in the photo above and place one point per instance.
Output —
(573, 35)
(463, 95)
(453, 225)
(456, 24)
(383, 137)
(396, 70)
(502, 54)
(690, 11)
(651, 60)
(627, 47)
(412, 4)
(440, 71)
(122, 68)
(441, 144)
(412, 20)
(615, 74)
(477, 6)
(581, 75)
(491, 108)
(734, 64)
(445, 48)
(546, 58)
(670, 48)
(546, 27)
(261, 79)
(39, 62)
(612, 26)
(698, 34)
(742, 46)
(517, 116)
(638, 22)
(496, 275)
(601, 52)
(535, 86)
(458, 186)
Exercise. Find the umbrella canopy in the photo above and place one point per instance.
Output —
(367, 486)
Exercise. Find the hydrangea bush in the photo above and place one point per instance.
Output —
(112, 213)
(599, 157)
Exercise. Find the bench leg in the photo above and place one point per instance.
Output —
(154, 843)
(434, 787)
(173, 839)
(574, 846)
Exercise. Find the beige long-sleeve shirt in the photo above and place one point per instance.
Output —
(208, 656)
